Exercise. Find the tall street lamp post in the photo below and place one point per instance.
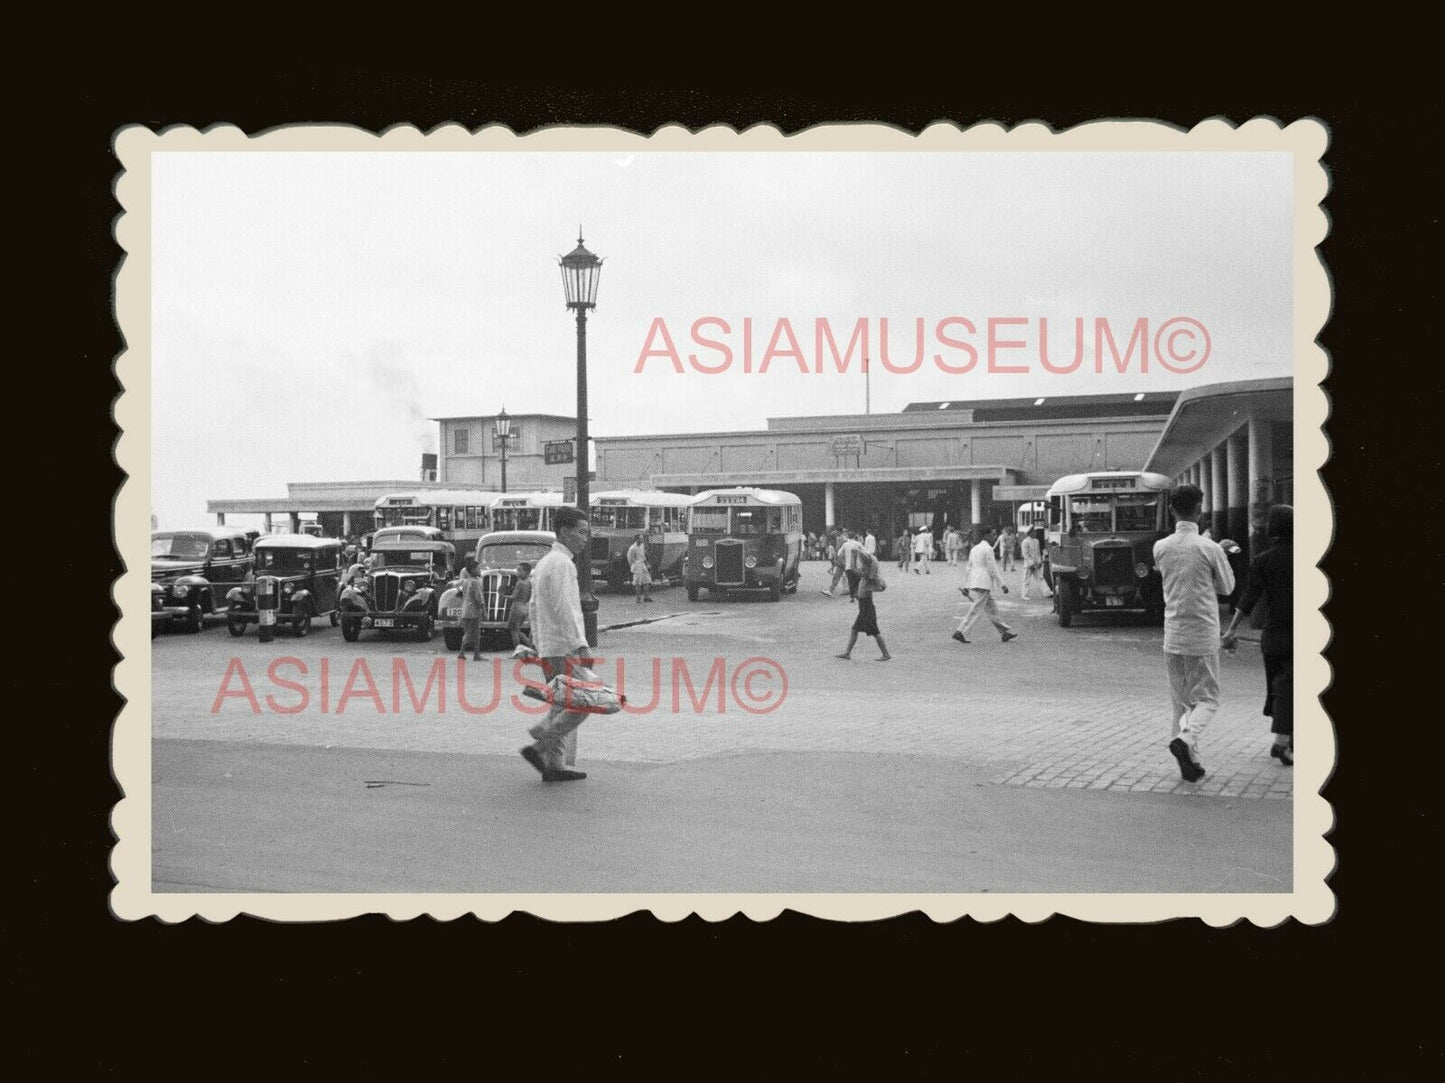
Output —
(581, 271)
(503, 426)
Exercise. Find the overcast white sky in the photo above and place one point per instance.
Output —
(310, 310)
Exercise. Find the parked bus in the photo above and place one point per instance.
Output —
(743, 539)
(526, 511)
(462, 515)
(1101, 534)
(1033, 514)
(619, 516)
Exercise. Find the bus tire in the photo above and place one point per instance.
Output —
(775, 593)
(616, 586)
(1066, 604)
(452, 637)
(335, 618)
(692, 594)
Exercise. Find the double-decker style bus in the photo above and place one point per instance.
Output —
(462, 515)
(620, 515)
(1101, 534)
(526, 511)
(743, 539)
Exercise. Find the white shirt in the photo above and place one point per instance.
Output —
(636, 558)
(923, 543)
(556, 606)
(982, 568)
(1195, 573)
(1031, 550)
(870, 544)
(848, 552)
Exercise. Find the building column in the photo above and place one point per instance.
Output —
(1206, 472)
(295, 517)
(827, 504)
(346, 524)
(268, 522)
(1261, 480)
(1218, 500)
(1237, 494)
(975, 502)
(220, 518)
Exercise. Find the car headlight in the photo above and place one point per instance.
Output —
(288, 588)
(707, 562)
(1141, 569)
(1083, 573)
(178, 590)
(409, 587)
(751, 562)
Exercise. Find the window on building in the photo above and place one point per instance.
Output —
(460, 440)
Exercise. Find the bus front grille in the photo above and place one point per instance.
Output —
(729, 563)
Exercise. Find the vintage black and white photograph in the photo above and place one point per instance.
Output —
(856, 522)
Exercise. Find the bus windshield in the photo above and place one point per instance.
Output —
(756, 520)
(183, 546)
(405, 516)
(709, 520)
(622, 518)
(517, 519)
(1091, 514)
(1136, 511)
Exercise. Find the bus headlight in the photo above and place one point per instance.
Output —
(1141, 570)
(751, 562)
(1083, 573)
(707, 562)
(288, 588)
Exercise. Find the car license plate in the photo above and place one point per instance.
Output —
(383, 622)
(1114, 601)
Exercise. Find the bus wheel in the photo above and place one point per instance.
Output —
(775, 593)
(692, 594)
(335, 618)
(616, 586)
(452, 637)
(1065, 600)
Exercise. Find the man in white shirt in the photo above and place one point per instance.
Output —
(1033, 563)
(982, 581)
(923, 549)
(558, 631)
(846, 563)
(870, 544)
(637, 565)
(1195, 573)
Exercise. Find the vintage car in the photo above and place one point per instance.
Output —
(497, 555)
(400, 590)
(192, 571)
(301, 573)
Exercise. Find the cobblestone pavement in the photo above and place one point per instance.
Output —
(1084, 708)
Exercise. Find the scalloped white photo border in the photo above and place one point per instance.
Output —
(1311, 900)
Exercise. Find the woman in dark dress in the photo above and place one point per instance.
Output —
(1271, 578)
(867, 619)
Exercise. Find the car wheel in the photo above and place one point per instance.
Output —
(193, 619)
(350, 629)
(302, 623)
(1065, 600)
(236, 625)
(692, 594)
(452, 637)
(335, 618)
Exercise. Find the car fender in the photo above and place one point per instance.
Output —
(420, 599)
(238, 596)
(299, 596)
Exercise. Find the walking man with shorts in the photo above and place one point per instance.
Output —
(1195, 573)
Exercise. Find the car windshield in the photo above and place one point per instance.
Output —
(403, 558)
(510, 554)
(284, 560)
(182, 546)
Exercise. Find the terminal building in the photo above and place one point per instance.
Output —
(933, 464)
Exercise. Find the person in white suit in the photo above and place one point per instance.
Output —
(983, 581)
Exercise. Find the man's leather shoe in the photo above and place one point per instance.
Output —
(563, 774)
(1188, 769)
(960, 637)
(1010, 635)
(534, 757)
(1283, 754)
